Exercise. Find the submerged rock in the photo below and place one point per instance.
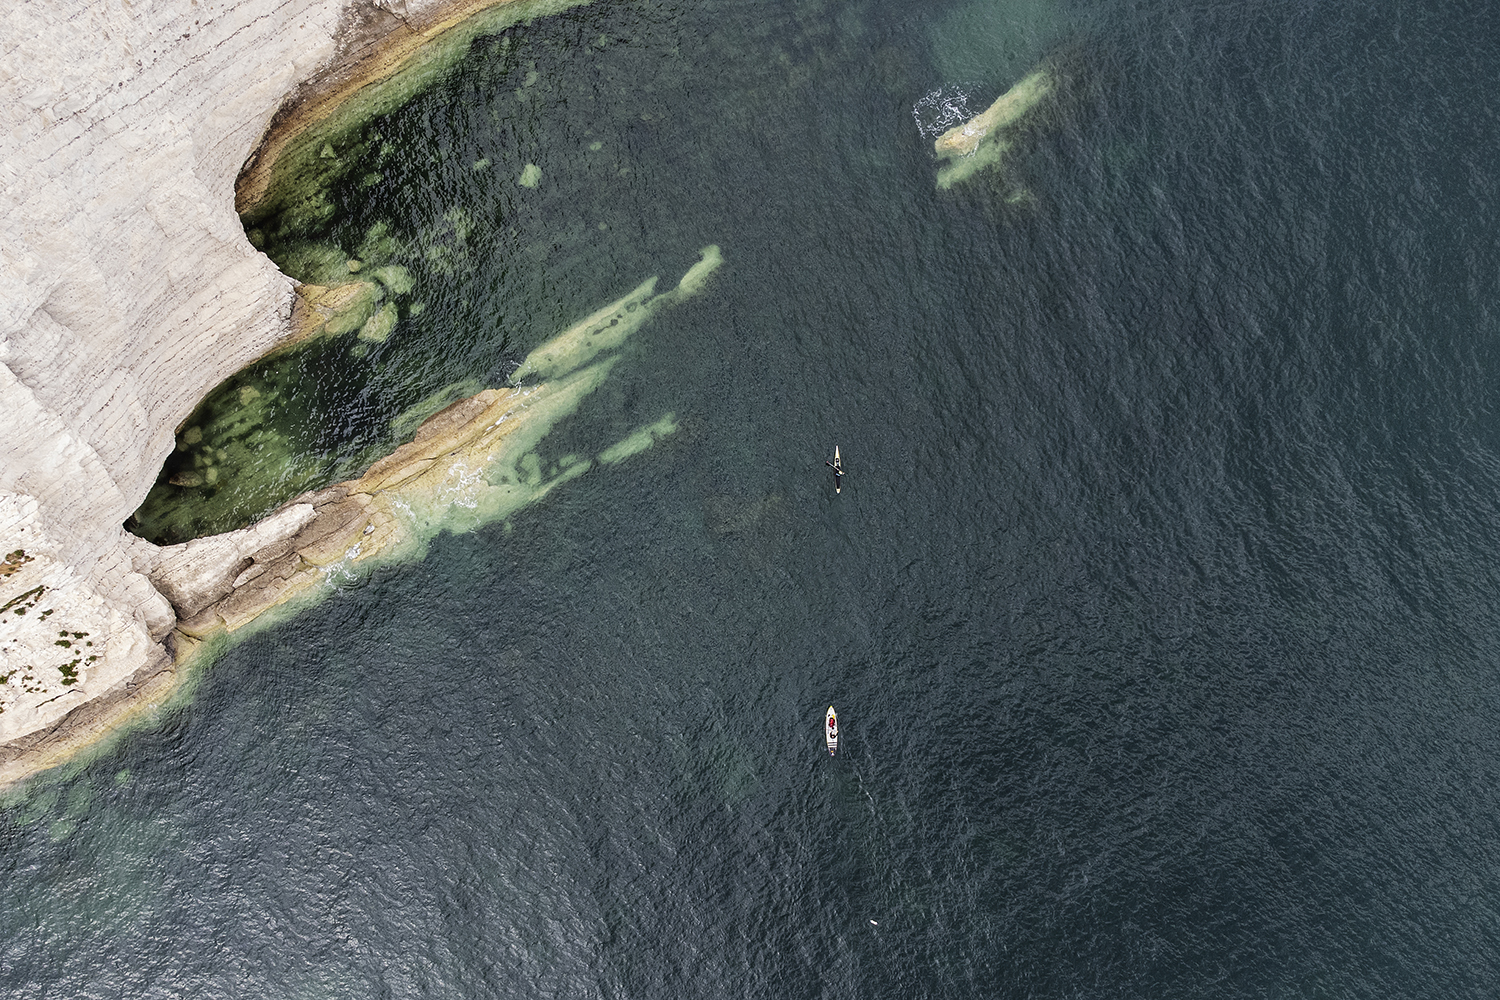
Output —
(607, 328)
(377, 329)
(472, 462)
(1008, 109)
(983, 141)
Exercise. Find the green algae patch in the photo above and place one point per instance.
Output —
(378, 327)
(353, 308)
(13, 562)
(396, 279)
(295, 198)
(377, 245)
(240, 457)
(314, 263)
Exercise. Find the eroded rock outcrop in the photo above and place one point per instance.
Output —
(127, 291)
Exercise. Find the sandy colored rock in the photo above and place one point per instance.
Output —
(1010, 108)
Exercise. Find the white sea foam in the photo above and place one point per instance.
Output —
(941, 109)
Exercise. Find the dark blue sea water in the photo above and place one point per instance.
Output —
(1161, 605)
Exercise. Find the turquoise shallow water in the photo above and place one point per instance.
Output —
(1159, 605)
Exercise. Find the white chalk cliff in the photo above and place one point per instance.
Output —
(128, 290)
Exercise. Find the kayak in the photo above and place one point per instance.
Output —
(838, 471)
(831, 730)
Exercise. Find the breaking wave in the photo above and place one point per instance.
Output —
(941, 109)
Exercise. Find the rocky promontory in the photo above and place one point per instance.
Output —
(128, 290)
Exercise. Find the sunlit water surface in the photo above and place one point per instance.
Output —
(1160, 603)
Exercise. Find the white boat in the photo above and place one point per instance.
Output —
(831, 730)
(837, 465)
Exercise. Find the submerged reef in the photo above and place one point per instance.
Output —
(608, 328)
(473, 462)
(257, 438)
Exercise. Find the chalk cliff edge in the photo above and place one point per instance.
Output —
(128, 290)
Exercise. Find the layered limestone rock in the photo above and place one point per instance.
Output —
(128, 290)
(57, 632)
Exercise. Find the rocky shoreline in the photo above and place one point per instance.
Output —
(130, 290)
